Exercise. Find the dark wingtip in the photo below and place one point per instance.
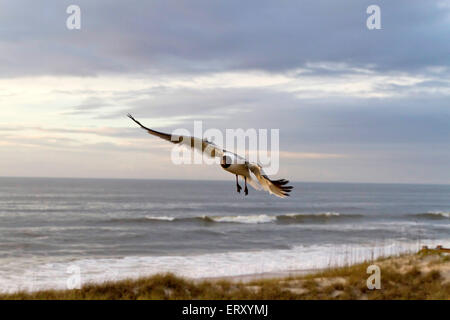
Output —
(132, 118)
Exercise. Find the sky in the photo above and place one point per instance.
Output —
(351, 104)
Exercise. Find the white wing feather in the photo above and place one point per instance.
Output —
(275, 187)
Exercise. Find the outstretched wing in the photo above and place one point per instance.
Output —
(276, 187)
(201, 145)
(162, 135)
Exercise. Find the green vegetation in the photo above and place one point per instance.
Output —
(419, 276)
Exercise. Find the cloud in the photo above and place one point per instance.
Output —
(351, 104)
(202, 36)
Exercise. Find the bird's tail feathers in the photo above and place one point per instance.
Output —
(276, 187)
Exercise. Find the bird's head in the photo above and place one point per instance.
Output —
(226, 161)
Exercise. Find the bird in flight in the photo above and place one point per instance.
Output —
(229, 161)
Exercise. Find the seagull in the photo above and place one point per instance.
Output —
(229, 161)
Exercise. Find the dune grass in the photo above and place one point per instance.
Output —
(415, 276)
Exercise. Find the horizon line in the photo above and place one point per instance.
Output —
(171, 179)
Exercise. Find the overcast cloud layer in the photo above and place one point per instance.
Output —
(351, 104)
(204, 36)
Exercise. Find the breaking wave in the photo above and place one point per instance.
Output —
(433, 215)
(257, 219)
(162, 218)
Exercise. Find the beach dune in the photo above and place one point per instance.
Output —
(425, 275)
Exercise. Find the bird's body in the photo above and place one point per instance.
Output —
(234, 164)
(230, 162)
(239, 169)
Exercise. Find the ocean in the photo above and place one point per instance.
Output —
(51, 229)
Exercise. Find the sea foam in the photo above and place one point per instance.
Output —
(17, 275)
